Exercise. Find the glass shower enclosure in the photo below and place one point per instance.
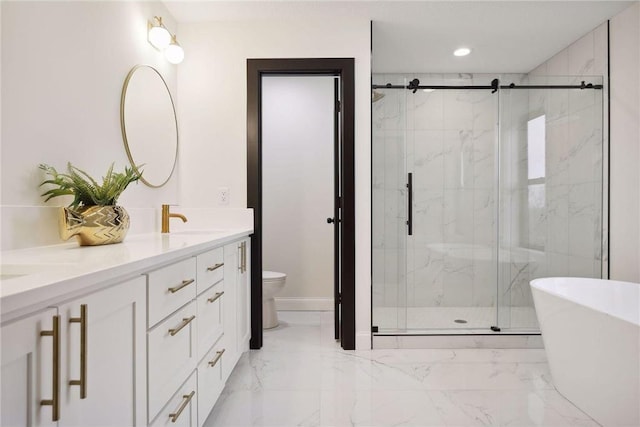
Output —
(482, 183)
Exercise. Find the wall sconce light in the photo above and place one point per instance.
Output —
(174, 52)
(159, 37)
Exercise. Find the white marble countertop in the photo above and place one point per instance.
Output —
(35, 277)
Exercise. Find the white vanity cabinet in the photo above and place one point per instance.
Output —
(149, 342)
(100, 341)
(27, 370)
(102, 348)
(237, 321)
(204, 300)
(243, 299)
(172, 334)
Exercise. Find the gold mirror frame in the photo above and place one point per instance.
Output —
(124, 128)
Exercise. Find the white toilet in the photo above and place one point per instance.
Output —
(272, 283)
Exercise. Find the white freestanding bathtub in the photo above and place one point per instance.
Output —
(591, 333)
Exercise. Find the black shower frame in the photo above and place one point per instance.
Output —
(495, 85)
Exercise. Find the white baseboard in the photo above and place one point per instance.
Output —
(304, 304)
(363, 340)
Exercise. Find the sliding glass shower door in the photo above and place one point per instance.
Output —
(479, 186)
(552, 165)
(451, 153)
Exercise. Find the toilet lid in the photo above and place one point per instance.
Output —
(273, 275)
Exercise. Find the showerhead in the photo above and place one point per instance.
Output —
(376, 96)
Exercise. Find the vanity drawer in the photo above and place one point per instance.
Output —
(210, 381)
(182, 408)
(171, 355)
(170, 288)
(210, 268)
(210, 311)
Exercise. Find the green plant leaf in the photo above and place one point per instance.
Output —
(86, 191)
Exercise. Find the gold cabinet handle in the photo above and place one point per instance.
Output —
(181, 285)
(244, 256)
(213, 361)
(54, 402)
(215, 267)
(184, 323)
(82, 382)
(187, 398)
(215, 297)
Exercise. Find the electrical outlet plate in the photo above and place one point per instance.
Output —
(223, 195)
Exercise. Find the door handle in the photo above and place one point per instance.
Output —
(332, 220)
(410, 203)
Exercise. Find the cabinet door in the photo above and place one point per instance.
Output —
(172, 351)
(110, 360)
(27, 371)
(210, 312)
(243, 298)
(231, 270)
(182, 408)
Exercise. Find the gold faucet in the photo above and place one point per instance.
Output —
(166, 215)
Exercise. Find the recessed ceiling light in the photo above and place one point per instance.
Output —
(463, 51)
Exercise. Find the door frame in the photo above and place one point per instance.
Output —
(343, 67)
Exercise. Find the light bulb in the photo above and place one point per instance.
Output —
(159, 37)
(463, 51)
(174, 52)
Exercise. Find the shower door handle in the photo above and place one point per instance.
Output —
(410, 203)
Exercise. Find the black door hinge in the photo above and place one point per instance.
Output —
(340, 202)
(339, 297)
(338, 106)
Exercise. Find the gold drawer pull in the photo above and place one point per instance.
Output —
(181, 285)
(215, 297)
(215, 267)
(219, 354)
(82, 382)
(187, 398)
(54, 402)
(184, 323)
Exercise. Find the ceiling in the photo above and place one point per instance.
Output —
(420, 36)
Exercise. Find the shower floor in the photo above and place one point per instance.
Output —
(433, 320)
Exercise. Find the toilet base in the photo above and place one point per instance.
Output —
(269, 313)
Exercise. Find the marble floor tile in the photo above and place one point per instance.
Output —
(266, 408)
(301, 377)
(378, 408)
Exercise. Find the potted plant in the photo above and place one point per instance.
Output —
(93, 215)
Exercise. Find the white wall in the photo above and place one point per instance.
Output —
(625, 145)
(213, 113)
(297, 187)
(63, 67)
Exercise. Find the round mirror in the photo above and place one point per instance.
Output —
(149, 125)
